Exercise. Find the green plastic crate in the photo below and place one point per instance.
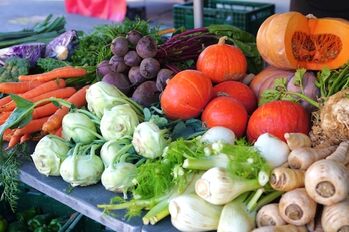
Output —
(246, 15)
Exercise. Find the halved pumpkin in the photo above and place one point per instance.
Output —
(291, 40)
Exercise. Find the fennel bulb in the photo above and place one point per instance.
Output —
(119, 121)
(218, 134)
(191, 213)
(49, 153)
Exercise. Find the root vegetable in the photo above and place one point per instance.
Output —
(297, 140)
(103, 68)
(119, 46)
(149, 68)
(146, 47)
(341, 153)
(135, 76)
(296, 207)
(117, 64)
(146, 93)
(335, 217)
(286, 179)
(302, 158)
(133, 37)
(269, 215)
(162, 77)
(282, 228)
(327, 182)
(119, 80)
(132, 58)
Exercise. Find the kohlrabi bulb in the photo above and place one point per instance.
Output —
(49, 153)
(119, 121)
(148, 140)
(118, 177)
(79, 128)
(102, 96)
(82, 170)
(109, 151)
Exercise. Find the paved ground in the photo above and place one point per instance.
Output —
(18, 14)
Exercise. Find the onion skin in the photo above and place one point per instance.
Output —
(335, 217)
(296, 207)
(327, 182)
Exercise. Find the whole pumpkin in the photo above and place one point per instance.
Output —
(227, 112)
(186, 95)
(278, 118)
(291, 40)
(266, 78)
(239, 91)
(222, 62)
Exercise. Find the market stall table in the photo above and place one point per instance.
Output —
(85, 199)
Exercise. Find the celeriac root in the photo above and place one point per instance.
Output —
(296, 207)
(297, 140)
(341, 154)
(269, 215)
(327, 182)
(283, 228)
(335, 218)
(286, 179)
(302, 158)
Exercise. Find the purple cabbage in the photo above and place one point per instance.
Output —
(29, 51)
(62, 46)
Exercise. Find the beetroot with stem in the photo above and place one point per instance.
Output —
(133, 37)
(119, 46)
(146, 47)
(146, 93)
(132, 58)
(149, 68)
(162, 77)
(119, 80)
(135, 76)
(117, 64)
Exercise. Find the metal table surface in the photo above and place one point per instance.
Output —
(85, 199)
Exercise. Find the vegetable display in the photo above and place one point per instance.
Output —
(189, 125)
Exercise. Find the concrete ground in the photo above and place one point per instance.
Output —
(19, 14)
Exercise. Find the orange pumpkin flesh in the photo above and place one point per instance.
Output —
(222, 62)
(291, 40)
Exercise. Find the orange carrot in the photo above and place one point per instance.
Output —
(58, 93)
(33, 126)
(4, 116)
(18, 87)
(63, 72)
(24, 138)
(55, 121)
(13, 141)
(5, 100)
(58, 132)
(45, 110)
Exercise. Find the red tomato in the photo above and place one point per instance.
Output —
(227, 112)
(239, 91)
(278, 118)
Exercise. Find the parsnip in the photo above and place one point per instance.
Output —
(269, 215)
(286, 179)
(335, 218)
(327, 182)
(302, 158)
(297, 140)
(341, 154)
(283, 228)
(296, 207)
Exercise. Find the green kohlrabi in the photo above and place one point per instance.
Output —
(110, 151)
(119, 121)
(148, 140)
(49, 153)
(79, 128)
(102, 96)
(82, 167)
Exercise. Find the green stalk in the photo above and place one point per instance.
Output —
(251, 203)
(306, 98)
(90, 131)
(34, 38)
(220, 160)
(157, 213)
(266, 200)
(335, 83)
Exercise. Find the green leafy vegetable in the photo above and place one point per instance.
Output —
(48, 64)
(13, 68)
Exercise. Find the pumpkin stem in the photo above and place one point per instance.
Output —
(222, 40)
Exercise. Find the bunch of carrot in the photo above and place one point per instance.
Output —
(47, 117)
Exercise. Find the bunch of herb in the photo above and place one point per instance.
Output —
(47, 64)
